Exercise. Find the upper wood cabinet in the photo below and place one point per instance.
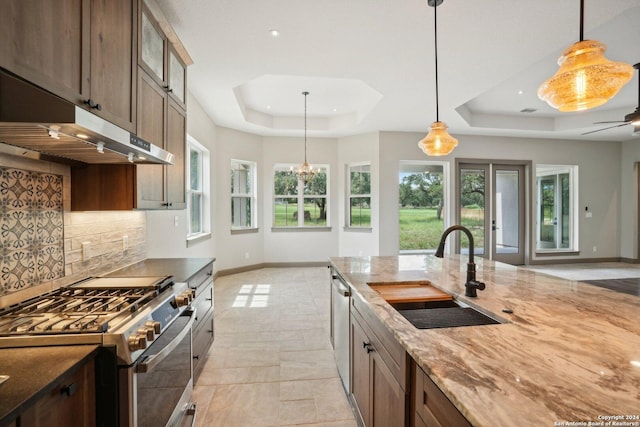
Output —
(162, 117)
(113, 61)
(82, 50)
(159, 58)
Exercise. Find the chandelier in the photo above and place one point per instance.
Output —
(438, 142)
(585, 79)
(305, 172)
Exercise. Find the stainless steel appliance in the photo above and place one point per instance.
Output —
(143, 324)
(340, 327)
(38, 121)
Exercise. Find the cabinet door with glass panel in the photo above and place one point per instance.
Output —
(159, 58)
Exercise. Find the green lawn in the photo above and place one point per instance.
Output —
(286, 215)
(419, 228)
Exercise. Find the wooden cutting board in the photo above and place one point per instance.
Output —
(409, 292)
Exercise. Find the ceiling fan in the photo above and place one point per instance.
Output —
(629, 119)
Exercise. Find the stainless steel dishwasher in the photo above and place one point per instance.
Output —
(340, 327)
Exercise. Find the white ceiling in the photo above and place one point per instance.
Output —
(369, 64)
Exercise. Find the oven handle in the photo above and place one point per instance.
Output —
(150, 363)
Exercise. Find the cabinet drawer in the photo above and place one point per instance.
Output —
(72, 402)
(202, 340)
(201, 277)
(393, 354)
(432, 406)
(203, 303)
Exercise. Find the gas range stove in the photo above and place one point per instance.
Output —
(126, 312)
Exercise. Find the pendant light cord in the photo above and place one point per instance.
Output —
(435, 38)
(581, 20)
(305, 125)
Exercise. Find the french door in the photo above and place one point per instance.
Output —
(491, 204)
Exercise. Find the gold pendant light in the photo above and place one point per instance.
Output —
(438, 142)
(305, 172)
(585, 79)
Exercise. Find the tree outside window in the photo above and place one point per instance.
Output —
(243, 196)
(359, 195)
(297, 205)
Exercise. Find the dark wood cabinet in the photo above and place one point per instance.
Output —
(113, 61)
(103, 187)
(161, 115)
(71, 402)
(162, 122)
(379, 375)
(45, 42)
(431, 408)
(81, 50)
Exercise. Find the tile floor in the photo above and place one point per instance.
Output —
(590, 271)
(271, 363)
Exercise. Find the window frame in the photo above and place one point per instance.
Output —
(300, 197)
(556, 170)
(349, 196)
(251, 195)
(204, 191)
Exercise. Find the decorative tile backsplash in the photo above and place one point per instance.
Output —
(41, 239)
(31, 228)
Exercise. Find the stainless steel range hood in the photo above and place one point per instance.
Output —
(37, 121)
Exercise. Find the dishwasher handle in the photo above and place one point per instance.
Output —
(341, 287)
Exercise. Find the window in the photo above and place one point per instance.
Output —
(197, 189)
(422, 205)
(359, 195)
(292, 196)
(557, 218)
(243, 194)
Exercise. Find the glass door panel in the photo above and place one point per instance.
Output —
(507, 223)
(473, 198)
(548, 219)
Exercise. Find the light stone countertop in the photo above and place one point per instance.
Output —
(570, 352)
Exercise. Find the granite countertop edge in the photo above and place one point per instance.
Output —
(566, 354)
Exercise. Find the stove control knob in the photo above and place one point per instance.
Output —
(137, 342)
(184, 298)
(147, 332)
(154, 325)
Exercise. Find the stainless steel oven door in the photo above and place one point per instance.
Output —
(157, 389)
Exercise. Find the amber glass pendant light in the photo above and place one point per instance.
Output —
(438, 142)
(585, 79)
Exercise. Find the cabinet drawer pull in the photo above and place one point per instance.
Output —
(168, 89)
(167, 204)
(196, 357)
(208, 299)
(69, 390)
(92, 104)
(368, 346)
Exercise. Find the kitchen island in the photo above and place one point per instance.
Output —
(568, 354)
(40, 375)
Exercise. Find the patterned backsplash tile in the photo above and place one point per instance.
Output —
(31, 228)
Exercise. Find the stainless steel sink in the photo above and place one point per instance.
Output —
(442, 314)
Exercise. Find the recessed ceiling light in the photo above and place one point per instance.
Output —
(82, 135)
(268, 107)
(520, 92)
(335, 109)
(274, 32)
